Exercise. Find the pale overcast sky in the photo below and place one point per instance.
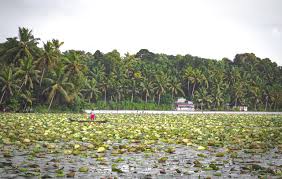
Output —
(205, 28)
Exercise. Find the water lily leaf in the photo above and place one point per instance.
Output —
(197, 163)
(27, 141)
(101, 149)
(201, 148)
(76, 146)
(90, 146)
(220, 154)
(162, 159)
(83, 169)
(116, 169)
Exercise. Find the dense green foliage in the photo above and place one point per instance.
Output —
(31, 76)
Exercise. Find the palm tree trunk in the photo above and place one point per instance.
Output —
(2, 97)
(24, 106)
(132, 96)
(91, 96)
(51, 103)
(41, 78)
(105, 95)
(159, 100)
(193, 89)
(266, 101)
(188, 86)
(146, 98)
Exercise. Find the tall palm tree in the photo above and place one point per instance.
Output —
(189, 76)
(256, 93)
(112, 82)
(50, 57)
(91, 89)
(217, 93)
(9, 83)
(98, 72)
(57, 44)
(203, 80)
(134, 84)
(161, 84)
(28, 99)
(202, 97)
(73, 64)
(26, 45)
(57, 84)
(197, 76)
(276, 95)
(175, 87)
(104, 86)
(146, 88)
(238, 89)
(27, 73)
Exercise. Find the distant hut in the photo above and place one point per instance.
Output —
(243, 108)
(184, 105)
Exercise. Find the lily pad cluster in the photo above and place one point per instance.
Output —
(213, 142)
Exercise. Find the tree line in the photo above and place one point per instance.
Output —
(46, 76)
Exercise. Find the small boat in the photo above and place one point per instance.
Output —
(78, 120)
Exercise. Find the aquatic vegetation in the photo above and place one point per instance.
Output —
(189, 144)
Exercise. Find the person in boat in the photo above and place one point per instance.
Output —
(92, 115)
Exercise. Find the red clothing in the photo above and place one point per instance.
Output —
(92, 116)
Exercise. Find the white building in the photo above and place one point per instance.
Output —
(184, 105)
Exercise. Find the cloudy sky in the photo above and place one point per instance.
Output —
(205, 28)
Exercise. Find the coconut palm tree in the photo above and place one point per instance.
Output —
(161, 84)
(196, 78)
(189, 76)
(26, 45)
(146, 87)
(175, 87)
(28, 99)
(202, 97)
(217, 93)
(73, 64)
(27, 73)
(57, 84)
(8, 82)
(50, 57)
(91, 89)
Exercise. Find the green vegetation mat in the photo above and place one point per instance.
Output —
(140, 146)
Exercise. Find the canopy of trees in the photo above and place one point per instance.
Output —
(31, 75)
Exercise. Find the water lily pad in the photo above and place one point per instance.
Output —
(27, 141)
(162, 159)
(83, 169)
(218, 174)
(220, 154)
(197, 163)
(201, 148)
(101, 149)
(116, 169)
